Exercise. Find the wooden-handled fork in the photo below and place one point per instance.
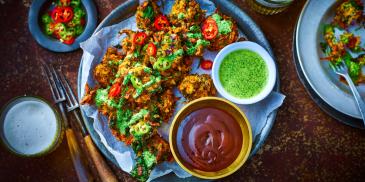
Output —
(78, 160)
(72, 105)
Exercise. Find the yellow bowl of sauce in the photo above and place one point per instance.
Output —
(210, 138)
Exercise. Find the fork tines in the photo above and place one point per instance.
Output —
(54, 83)
(60, 86)
(340, 68)
(72, 102)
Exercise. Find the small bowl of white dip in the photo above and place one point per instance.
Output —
(30, 127)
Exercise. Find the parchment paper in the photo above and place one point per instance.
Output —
(94, 49)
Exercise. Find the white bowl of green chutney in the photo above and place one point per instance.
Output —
(244, 72)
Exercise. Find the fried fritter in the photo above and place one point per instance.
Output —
(196, 86)
(129, 46)
(160, 147)
(103, 74)
(89, 95)
(186, 13)
(170, 58)
(146, 13)
(227, 32)
(167, 104)
(194, 43)
(174, 76)
(112, 57)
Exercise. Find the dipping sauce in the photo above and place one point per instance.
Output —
(211, 139)
(30, 126)
(243, 73)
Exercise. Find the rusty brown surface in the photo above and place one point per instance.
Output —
(305, 144)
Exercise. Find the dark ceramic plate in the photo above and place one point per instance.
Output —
(245, 23)
(51, 43)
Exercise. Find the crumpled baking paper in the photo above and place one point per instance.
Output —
(94, 49)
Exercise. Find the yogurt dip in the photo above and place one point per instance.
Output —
(244, 72)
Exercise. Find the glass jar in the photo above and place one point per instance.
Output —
(269, 7)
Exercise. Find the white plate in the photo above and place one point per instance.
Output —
(318, 73)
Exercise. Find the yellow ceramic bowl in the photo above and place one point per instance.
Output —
(235, 112)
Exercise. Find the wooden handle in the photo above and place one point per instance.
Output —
(103, 169)
(78, 161)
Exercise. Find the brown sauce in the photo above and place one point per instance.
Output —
(209, 139)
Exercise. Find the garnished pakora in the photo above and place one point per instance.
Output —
(146, 14)
(194, 43)
(220, 30)
(186, 13)
(103, 73)
(136, 79)
(197, 86)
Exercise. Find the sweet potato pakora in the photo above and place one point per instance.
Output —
(197, 86)
(146, 14)
(103, 73)
(220, 30)
(186, 13)
(194, 43)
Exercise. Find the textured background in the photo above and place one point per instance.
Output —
(305, 144)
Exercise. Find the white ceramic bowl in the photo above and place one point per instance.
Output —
(252, 47)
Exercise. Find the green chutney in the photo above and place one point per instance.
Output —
(243, 73)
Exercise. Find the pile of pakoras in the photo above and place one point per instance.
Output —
(136, 78)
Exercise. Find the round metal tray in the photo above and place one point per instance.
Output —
(245, 23)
